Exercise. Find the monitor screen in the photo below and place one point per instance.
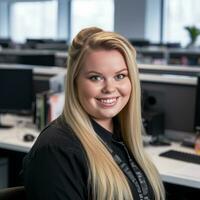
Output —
(175, 101)
(5, 42)
(16, 86)
(197, 114)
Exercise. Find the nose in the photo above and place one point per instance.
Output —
(109, 86)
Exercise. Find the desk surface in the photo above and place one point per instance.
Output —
(172, 171)
(12, 139)
(175, 68)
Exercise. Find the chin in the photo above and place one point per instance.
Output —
(109, 115)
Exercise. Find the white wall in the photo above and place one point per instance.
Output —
(4, 19)
(130, 18)
(138, 19)
(153, 20)
(63, 18)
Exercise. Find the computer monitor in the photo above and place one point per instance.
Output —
(5, 42)
(197, 107)
(16, 87)
(153, 117)
(173, 103)
(139, 42)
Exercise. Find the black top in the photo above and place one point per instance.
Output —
(56, 167)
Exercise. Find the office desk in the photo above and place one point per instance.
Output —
(172, 171)
(12, 139)
(13, 149)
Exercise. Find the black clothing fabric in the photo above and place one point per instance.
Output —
(56, 167)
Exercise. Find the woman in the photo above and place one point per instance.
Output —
(94, 150)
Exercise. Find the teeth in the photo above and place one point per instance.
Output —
(108, 101)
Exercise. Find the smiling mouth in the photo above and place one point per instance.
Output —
(108, 101)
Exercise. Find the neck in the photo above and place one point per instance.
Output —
(107, 124)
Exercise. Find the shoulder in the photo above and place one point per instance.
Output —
(57, 139)
(57, 161)
(57, 134)
(55, 147)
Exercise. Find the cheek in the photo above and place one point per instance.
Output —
(125, 89)
(86, 90)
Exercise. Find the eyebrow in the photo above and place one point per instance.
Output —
(125, 69)
(95, 72)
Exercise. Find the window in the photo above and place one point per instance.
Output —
(179, 14)
(85, 13)
(33, 20)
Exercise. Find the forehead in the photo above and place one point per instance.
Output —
(104, 59)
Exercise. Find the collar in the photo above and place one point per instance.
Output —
(106, 135)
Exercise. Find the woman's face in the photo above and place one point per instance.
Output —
(103, 84)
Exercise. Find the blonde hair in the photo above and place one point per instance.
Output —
(106, 178)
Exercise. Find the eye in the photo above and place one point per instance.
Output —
(95, 78)
(120, 76)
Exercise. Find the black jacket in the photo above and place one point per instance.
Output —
(56, 167)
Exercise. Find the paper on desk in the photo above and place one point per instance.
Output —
(189, 170)
(56, 103)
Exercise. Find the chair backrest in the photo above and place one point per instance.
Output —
(13, 193)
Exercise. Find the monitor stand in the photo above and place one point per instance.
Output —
(159, 140)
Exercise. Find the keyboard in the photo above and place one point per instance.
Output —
(183, 156)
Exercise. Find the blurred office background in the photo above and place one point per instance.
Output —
(154, 20)
(51, 24)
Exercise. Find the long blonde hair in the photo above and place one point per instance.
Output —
(106, 179)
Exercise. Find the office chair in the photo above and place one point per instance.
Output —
(13, 193)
